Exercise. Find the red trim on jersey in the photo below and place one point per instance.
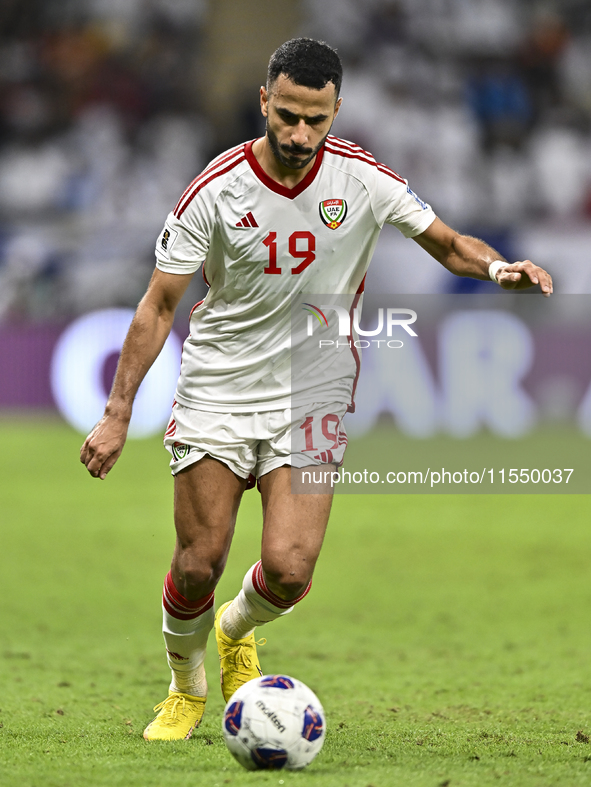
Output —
(215, 163)
(350, 154)
(179, 211)
(358, 294)
(277, 187)
(356, 149)
(221, 159)
(350, 146)
(204, 276)
(259, 584)
(381, 167)
(195, 307)
(387, 171)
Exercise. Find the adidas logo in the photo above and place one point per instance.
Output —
(248, 221)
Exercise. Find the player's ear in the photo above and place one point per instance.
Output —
(337, 107)
(264, 96)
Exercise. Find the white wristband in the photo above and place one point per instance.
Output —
(495, 267)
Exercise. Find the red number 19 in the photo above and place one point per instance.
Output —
(271, 242)
(307, 255)
(325, 424)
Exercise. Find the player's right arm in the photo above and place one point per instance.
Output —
(146, 336)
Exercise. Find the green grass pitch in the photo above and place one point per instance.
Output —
(449, 637)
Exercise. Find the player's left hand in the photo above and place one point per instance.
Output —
(521, 275)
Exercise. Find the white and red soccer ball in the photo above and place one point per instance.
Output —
(274, 722)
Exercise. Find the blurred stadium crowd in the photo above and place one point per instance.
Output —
(484, 105)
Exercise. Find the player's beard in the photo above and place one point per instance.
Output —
(281, 152)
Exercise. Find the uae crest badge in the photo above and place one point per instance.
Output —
(333, 212)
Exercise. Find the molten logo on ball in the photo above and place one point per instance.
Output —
(274, 722)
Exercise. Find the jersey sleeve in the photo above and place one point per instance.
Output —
(183, 244)
(396, 203)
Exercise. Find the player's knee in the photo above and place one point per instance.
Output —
(287, 582)
(199, 574)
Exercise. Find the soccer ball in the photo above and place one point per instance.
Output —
(274, 722)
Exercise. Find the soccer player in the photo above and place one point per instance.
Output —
(296, 211)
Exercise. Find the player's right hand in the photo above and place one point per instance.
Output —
(103, 446)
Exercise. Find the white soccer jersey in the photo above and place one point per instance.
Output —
(260, 243)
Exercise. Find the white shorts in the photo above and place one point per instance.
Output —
(253, 444)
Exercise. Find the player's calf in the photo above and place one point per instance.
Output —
(185, 625)
(255, 605)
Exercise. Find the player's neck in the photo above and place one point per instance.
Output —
(275, 169)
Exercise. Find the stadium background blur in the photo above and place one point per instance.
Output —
(110, 107)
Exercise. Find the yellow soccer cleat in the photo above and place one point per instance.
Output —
(239, 662)
(178, 716)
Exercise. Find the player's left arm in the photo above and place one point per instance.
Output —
(467, 256)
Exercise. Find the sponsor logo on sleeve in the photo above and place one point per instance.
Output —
(167, 239)
(333, 212)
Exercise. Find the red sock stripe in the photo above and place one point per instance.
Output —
(258, 581)
(180, 607)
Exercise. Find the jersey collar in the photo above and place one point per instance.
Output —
(277, 187)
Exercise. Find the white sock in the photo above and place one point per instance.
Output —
(186, 625)
(254, 606)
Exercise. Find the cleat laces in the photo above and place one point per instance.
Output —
(245, 660)
(177, 717)
(170, 704)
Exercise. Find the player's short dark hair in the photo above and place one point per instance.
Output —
(306, 62)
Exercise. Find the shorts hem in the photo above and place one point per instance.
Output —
(299, 463)
(196, 456)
